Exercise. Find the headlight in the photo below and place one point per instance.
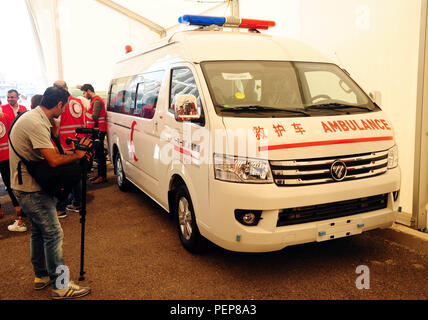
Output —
(236, 169)
(393, 157)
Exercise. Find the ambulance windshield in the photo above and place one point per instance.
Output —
(283, 89)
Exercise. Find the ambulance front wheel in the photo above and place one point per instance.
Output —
(188, 230)
(121, 180)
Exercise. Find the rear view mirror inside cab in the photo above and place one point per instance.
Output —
(185, 108)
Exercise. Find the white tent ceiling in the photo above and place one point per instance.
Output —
(80, 40)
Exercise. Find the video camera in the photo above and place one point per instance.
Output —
(91, 133)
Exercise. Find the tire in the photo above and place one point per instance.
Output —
(121, 180)
(188, 230)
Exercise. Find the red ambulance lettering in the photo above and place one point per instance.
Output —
(366, 126)
(385, 124)
(326, 127)
(355, 125)
(359, 128)
(259, 132)
(352, 126)
(334, 126)
(343, 125)
(372, 124)
(298, 128)
(379, 124)
(279, 130)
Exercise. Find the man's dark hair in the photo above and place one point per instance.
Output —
(87, 87)
(52, 96)
(13, 90)
(35, 100)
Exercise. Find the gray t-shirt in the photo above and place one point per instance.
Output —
(31, 132)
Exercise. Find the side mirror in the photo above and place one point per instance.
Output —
(185, 108)
(376, 96)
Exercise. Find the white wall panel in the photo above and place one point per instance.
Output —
(377, 41)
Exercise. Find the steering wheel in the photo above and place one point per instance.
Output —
(321, 96)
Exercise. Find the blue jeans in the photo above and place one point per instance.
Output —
(46, 234)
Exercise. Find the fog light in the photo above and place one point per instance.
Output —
(248, 217)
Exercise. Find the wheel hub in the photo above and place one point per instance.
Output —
(185, 218)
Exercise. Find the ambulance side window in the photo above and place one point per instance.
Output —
(147, 93)
(130, 95)
(183, 82)
(118, 93)
(110, 97)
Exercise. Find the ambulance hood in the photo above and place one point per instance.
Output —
(308, 137)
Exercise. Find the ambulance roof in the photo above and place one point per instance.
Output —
(199, 46)
(223, 45)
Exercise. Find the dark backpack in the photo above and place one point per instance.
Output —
(55, 181)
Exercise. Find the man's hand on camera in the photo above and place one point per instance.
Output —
(84, 147)
(89, 155)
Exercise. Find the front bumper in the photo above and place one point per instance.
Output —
(220, 226)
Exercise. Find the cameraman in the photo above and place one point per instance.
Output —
(31, 138)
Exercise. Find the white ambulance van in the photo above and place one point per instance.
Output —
(253, 142)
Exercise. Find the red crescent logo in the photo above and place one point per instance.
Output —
(132, 140)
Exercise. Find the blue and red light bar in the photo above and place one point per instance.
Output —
(226, 22)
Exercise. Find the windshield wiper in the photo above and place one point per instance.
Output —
(261, 108)
(335, 106)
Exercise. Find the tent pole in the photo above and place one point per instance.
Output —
(132, 15)
(58, 41)
(37, 41)
(235, 8)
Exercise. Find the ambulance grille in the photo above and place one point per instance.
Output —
(317, 171)
(333, 210)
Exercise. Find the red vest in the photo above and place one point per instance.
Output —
(5, 122)
(72, 118)
(9, 114)
(102, 119)
(4, 143)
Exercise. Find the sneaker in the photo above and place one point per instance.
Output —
(18, 226)
(62, 214)
(41, 283)
(73, 291)
(73, 208)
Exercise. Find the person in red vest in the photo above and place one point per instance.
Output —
(71, 119)
(11, 109)
(8, 114)
(96, 117)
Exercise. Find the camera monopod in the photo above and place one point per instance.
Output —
(84, 163)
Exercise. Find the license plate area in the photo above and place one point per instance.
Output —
(338, 229)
